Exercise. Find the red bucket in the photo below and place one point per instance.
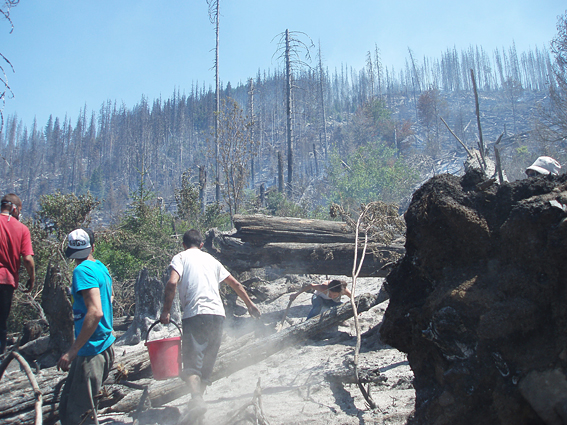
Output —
(165, 355)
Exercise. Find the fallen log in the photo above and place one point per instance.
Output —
(161, 392)
(17, 402)
(260, 229)
(228, 363)
(301, 258)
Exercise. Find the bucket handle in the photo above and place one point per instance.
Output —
(156, 322)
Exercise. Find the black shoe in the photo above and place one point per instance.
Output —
(196, 408)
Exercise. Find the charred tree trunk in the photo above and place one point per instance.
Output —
(262, 195)
(202, 187)
(280, 173)
(260, 229)
(322, 99)
(59, 312)
(149, 301)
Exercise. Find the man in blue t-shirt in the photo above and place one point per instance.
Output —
(91, 356)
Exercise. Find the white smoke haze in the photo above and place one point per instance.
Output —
(303, 383)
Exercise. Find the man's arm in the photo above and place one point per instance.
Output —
(170, 287)
(93, 303)
(304, 288)
(241, 292)
(310, 287)
(29, 265)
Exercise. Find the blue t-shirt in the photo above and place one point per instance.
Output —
(93, 274)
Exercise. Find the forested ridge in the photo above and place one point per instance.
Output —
(104, 151)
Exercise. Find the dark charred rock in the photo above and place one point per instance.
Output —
(479, 300)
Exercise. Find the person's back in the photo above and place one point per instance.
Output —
(15, 245)
(199, 289)
(13, 237)
(84, 276)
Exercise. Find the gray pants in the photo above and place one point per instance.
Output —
(85, 379)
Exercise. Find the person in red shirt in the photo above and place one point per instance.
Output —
(15, 245)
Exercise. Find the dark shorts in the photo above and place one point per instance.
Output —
(202, 336)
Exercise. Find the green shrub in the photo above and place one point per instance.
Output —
(373, 172)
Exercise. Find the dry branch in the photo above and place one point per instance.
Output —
(469, 153)
(29, 374)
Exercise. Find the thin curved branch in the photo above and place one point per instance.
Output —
(295, 47)
(37, 392)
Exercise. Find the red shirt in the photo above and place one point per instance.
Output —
(15, 242)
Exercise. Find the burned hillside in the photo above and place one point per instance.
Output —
(478, 301)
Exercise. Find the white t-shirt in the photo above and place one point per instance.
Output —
(201, 275)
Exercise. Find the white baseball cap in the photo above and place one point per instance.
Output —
(78, 244)
(545, 165)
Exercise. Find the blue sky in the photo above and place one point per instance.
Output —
(69, 53)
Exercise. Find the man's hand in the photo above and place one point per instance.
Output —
(28, 287)
(164, 318)
(65, 361)
(254, 311)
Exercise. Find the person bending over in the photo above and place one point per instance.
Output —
(326, 296)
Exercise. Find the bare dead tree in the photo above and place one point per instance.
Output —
(551, 126)
(236, 150)
(5, 90)
(289, 48)
(477, 107)
(214, 17)
(325, 143)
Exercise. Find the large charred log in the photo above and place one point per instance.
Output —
(261, 229)
(300, 258)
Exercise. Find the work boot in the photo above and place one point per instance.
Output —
(196, 408)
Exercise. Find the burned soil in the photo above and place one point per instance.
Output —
(478, 301)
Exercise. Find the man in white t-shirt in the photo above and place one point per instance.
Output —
(199, 276)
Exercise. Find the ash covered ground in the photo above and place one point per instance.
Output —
(299, 384)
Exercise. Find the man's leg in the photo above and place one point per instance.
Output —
(194, 384)
(193, 346)
(83, 384)
(317, 304)
(6, 294)
(202, 335)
